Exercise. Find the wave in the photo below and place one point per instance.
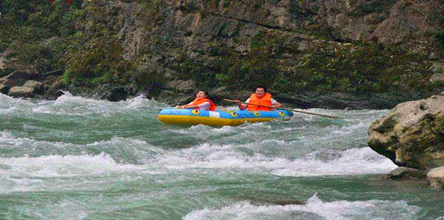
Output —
(63, 166)
(275, 157)
(68, 104)
(313, 209)
(319, 163)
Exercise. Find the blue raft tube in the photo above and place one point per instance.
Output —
(219, 117)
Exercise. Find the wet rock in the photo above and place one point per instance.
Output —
(404, 173)
(341, 100)
(412, 134)
(185, 86)
(437, 77)
(21, 91)
(175, 98)
(270, 200)
(4, 89)
(54, 87)
(116, 94)
(37, 87)
(408, 19)
(18, 78)
(438, 69)
(436, 178)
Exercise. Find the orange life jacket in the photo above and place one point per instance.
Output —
(265, 100)
(202, 100)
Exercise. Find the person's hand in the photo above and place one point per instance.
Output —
(180, 107)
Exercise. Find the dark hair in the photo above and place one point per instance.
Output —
(205, 92)
(262, 87)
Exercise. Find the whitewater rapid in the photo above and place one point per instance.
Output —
(109, 155)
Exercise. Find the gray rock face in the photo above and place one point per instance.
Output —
(18, 78)
(412, 134)
(21, 91)
(34, 85)
(181, 85)
(438, 68)
(436, 178)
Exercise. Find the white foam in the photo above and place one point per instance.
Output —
(350, 162)
(68, 104)
(142, 102)
(372, 209)
(269, 156)
(63, 166)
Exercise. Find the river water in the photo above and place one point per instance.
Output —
(79, 158)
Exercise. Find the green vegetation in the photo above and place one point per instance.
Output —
(439, 36)
(364, 68)
(37, 32)
(372, 6)
(92, 54)
(356, 68)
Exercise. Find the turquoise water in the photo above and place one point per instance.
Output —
(79, 158)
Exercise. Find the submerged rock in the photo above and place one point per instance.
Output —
(270, 201)
(436, 178)
(412, 134)
(404, 173)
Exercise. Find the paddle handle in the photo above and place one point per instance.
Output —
(311, 113)
(245, 103)
(293, 110)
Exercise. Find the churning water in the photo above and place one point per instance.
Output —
(79, 158)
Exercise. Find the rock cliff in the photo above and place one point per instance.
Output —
(338, 52)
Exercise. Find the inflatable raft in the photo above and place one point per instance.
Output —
(219, 118)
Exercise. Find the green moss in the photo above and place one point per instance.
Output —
(368, 7)
(370, 68)
(39, 33)
(439, 36)
(372, 7)
(226, 3)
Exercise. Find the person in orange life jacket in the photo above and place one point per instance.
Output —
(260, 97)
(201, 102)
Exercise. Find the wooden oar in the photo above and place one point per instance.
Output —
(292, 110)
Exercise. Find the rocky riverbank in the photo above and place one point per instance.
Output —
(30, 85)
(412, 136)
(330, 54)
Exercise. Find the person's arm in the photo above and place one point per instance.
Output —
(203, 106)
(189, 105)
(275, 104)
(242, 106)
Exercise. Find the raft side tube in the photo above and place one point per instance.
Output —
(219, 118)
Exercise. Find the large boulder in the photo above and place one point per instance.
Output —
(21, 91)
(436, 178)
(412, 134)
(36, 86)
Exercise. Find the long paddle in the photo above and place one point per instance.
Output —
(293, 110)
